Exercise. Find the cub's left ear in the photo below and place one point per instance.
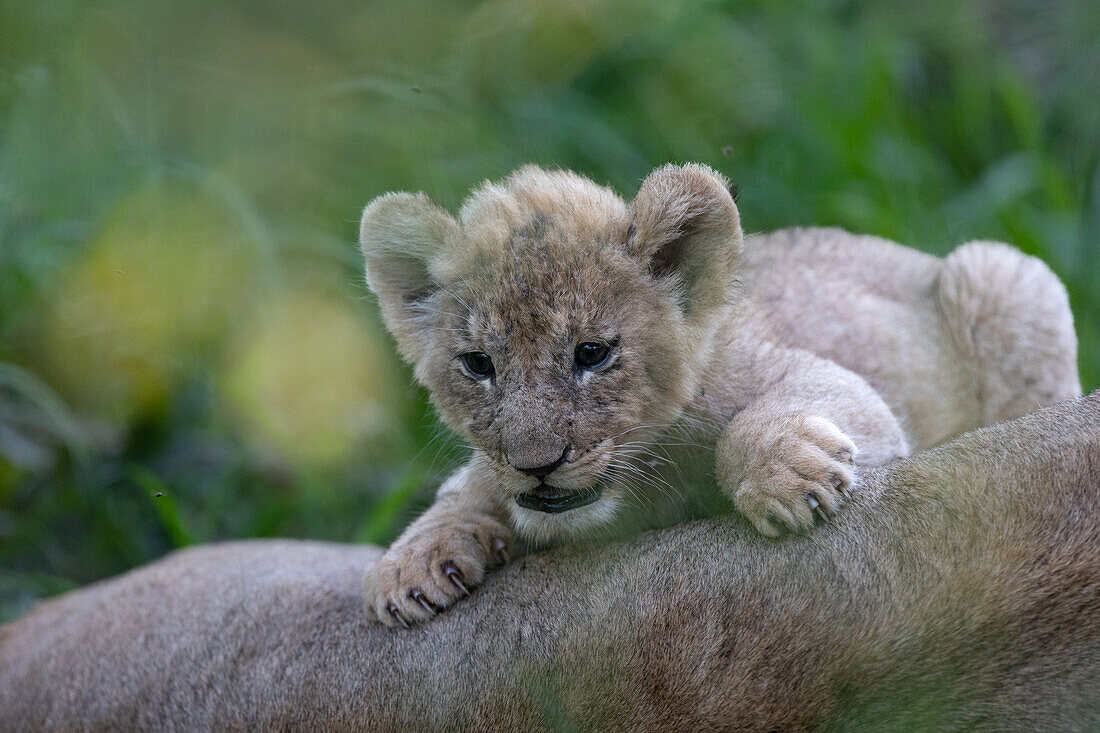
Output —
(401, 235)
(686, 226)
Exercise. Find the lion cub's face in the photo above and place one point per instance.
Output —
(557, 327)
(553, 359)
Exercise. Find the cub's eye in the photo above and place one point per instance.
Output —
(478, 364)
(591, 355)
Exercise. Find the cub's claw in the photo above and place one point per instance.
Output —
(435, 564)
(815, 506)
(455, 576)
(801, 474)
(417, 596)
(397, 615)
(500, 547)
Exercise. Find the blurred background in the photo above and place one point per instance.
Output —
(187, 350)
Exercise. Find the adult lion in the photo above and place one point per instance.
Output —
(961, 590)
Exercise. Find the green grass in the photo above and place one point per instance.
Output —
(186, 350)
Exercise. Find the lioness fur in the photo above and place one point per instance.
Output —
(799, 355)
(960, 590)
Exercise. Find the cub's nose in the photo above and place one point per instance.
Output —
(540, 471)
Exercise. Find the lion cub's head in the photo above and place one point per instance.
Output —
(557, 326)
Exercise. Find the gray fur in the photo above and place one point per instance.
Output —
(961, 590)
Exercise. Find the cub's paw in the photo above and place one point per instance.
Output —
(433, 565)
(806, 471)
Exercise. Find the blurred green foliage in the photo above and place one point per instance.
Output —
(186, 350)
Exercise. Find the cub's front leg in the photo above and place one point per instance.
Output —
(792, 453)
(441, 556)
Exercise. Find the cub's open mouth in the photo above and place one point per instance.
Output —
(554, 501)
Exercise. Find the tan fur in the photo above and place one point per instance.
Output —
(958, 591)
(802, 356)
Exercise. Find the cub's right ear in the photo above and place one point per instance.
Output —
(687, 229)
(401, 234)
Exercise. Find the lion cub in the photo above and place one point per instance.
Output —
(562, 330)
